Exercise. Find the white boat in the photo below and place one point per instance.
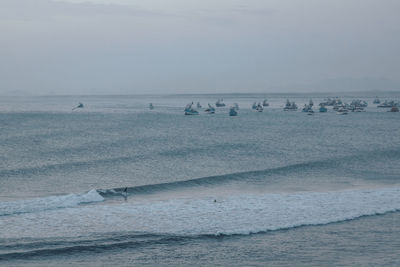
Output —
(358, 109)
(342, 111)
(342, 105)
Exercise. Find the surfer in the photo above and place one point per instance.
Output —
(126, 193)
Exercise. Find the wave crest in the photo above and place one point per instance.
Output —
(48, 203)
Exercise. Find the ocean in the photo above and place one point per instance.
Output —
(115, 183)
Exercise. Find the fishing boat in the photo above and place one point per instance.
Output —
(322, 108)
(232, 111)
(259, 107)
(394, 109)
(189, 110)
(331, 102)
(290, 106)
(387, 104)
(210, 109)
(220, 103)
(376, 101)
(342, 111)
(307, 108)
(358, 109)
(359, 103)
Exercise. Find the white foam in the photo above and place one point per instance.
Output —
(240, 214)
(48, 203)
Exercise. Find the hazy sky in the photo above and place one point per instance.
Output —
(188, 46)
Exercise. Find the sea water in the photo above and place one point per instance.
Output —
(117, 183)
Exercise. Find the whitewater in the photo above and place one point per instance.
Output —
(242, 214)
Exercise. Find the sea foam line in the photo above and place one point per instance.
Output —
(48, 203)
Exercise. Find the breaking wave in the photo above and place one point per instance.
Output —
(48, 203)
(131, 225)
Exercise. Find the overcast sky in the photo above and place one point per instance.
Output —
(193, 46)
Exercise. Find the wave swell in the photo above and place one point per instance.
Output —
(333, 166)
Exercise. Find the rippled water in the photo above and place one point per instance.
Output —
(279, 188)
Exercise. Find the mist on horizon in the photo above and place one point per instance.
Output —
(131, 47)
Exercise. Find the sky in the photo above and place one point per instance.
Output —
(207, 46)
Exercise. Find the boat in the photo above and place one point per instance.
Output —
(328, 102)
(311, 103)
(151, 106)
(307, 108)
(387, 104)
(322, 108)
(254, 106)
(290, 106)
(338, 101)
(80, 105)
(210, 109)
(359, 103)
(339, 106)
(331, 102)
(336, 107)
(376, 101)
(358, 109)
(189, 110)
(394, 109)
(342, 111)
(232, 111)
(265, 103)
(220, 103)
(259, 107)
(198, 105)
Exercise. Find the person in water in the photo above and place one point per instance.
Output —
(126, 193)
